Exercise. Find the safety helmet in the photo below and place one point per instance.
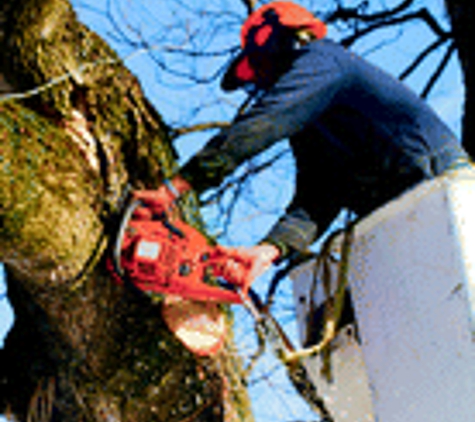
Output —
(259, 31)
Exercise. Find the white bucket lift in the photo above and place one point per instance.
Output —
(409, 355)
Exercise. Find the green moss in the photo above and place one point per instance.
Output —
(43, 190)
(50, 44)
(124, 358)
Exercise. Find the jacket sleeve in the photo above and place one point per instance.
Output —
(316, 203)
(299, 96)
(294, 231)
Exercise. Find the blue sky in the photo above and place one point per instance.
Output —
(180, 103)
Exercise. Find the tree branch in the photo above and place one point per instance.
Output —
(236, 185)
(199, 127)
(355, 13)
(422, 14)
(438, 71)
(421, 57)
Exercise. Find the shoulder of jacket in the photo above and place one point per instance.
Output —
(326, 53)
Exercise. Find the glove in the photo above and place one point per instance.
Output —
(242, 265)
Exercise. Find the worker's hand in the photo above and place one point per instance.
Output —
(242, 265)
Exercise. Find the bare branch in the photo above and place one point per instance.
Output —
(421, 57)
(237, 181)
(354, 13)
(423, 14)
(438, 72)
(199, 127)
(234, 188)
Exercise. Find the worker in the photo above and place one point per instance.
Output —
(359, 136)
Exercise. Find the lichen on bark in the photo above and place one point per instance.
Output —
(49, 200)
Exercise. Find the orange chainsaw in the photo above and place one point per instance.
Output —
(159, 253)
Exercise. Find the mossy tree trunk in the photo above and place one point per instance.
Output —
(83, 348)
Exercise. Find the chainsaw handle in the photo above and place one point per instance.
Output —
(234, 267)
(117, 249)
(162, 199)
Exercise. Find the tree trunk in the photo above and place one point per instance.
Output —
(83, 348)
(462, 16)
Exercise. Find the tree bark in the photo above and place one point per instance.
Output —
(83, 348)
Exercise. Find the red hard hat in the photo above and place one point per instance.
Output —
(289, 15)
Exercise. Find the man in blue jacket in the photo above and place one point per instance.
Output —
(359, 136)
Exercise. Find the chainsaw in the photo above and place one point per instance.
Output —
(159, 253)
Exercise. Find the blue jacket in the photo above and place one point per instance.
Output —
(359, 137)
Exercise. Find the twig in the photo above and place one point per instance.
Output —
(422, 14)
(218, 193)
(199, 127)
(334, 302)
(421, 57)
(353, 13)
(436, 75)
